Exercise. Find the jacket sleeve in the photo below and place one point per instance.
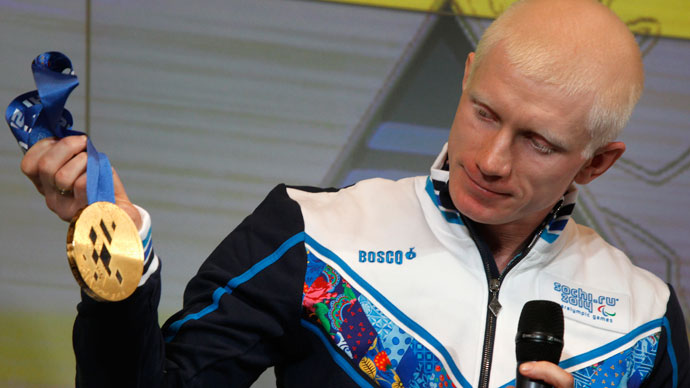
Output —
(672, 363)
(241, 313)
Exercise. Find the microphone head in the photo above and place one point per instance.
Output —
(540, 332)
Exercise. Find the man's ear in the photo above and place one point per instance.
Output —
(468, 67)
(603, 158)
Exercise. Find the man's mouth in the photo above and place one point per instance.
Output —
(487, 190)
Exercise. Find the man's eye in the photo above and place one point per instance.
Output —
(541, 147)
(483, 113)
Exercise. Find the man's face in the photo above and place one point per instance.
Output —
(515, 145)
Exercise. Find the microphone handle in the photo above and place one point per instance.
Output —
(525, 382)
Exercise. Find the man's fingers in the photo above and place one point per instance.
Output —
(70, 171)
(547, 372)
(59, 154)
(67, 205)
(79, 191)
(29, 164)
(55, 167)
(80, 198)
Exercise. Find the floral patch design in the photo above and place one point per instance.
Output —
(376, 346)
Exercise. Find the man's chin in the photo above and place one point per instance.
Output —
(483, 210)
(485, 215)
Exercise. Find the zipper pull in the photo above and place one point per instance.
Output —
(494, 305)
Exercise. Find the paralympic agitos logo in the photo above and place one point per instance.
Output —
(604, 312)
(577, 297)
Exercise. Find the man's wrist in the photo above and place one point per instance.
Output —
(133, 213)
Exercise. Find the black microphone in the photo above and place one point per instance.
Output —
(539, 338)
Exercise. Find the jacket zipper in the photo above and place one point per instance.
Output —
(494, 306)
(490, 330)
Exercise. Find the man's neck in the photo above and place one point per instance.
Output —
(507, 240)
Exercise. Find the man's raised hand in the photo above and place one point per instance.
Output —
(58, 170)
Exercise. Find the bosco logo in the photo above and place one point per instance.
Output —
(388, 257)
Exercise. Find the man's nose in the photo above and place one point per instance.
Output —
(494, 157)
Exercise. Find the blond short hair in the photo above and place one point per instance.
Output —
(537, 57)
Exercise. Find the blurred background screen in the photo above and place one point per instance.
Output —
(204, 107)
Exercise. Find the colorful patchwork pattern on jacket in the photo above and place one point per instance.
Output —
(628, 368)
(373, 343)
(394, 359)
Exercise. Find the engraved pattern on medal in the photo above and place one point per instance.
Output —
(107, 252)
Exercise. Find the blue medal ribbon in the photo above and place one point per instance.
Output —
(41, 113)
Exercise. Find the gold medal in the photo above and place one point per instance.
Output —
(105, 252)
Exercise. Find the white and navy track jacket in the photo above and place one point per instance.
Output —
(385, 284)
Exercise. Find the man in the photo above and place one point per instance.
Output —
(418, 282)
